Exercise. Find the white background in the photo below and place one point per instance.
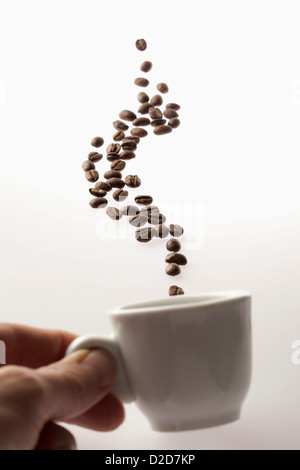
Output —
(66, 70)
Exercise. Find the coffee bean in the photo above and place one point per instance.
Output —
(131, 138)
(144, 235)
(133, 181)
(176, 230)
(103, 185)
(139, 132)
(94, 157)
(162, 231)
(120, 126)
(97, 142)
(150, 210)
(113, 213)
(158, 122)
(116, 183)
(129, 210)
(127, 115)
(157, 100)
(177, 258)
(173, 245)
(173, 106)
(127, 155)
(143, 200)
(156, 218)
(112, 157)
(173, 269)
(170, 113)
(112, 174)
(143, 97)
(155, 113)
(162, 87)
(161, 130)
(92, 176)
(118, 136)
(97, 192)
(113, 148)
(118, 165)
(138, 220)
(175, 290)
(144, 108)
(98, 203)
(146, 66)
(174, 123)
(129, 146)
(141, 44)
(143, 82)
(141, 122)
(120, 195)
(87, 165)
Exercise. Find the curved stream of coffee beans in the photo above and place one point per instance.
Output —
(123, 149)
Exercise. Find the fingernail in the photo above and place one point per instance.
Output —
(101, 365)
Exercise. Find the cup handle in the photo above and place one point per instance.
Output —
(121, 387)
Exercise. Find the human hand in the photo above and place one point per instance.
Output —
(40, 386)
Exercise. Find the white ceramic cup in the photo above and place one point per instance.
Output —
(185, 360)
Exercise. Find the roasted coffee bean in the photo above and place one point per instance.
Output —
(162, 231)
(92, 176)
(139, 132)
(120, 126)
(112, 157)
(177, 258)
(161, 130)
(97, 192)
(144, 235)
(141, 122)
(173, 245)
(97, 142)
(133, 181)
(103, 185)
(140, 81)
(116, 183)
(120, 195)
(143, 200)
(170, 113)
(112, 174)
(131, 138)
(141, 44)
(113, 213)
(127, 115)
(118, 136)
(173, 269)
(130, 210)
(143, 97)
(118, 165)
(174, 123)
(113, 148)
(173, 106)
(95, 157)
(127, 155)
(129, 146)
(176, 230)
(162, 87)
(155, 113)
(175, 290)
(157, 100)
(138, 220)
(150, 210)
(158, 122)
(98, 202)
(146, 66)
(87, 165)
(144, 108)
(156, 218)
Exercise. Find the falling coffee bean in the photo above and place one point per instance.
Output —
(140, 81)
(116, 183)
(129, 210)
(174, 123)
(143, 97)
(127, 155)
(97, 192)
(138, 220)
(87, 165)
(112, 174)
(113, 213)
(141, 44)
(157, 100)
(175, 290)
(118, 165)
(95, 157)
(131, 138)
(97, 142)
(162, 87)
(120, 125)
(98, 203)
(92, 176)
(143, 200)
(150, 211)
(173, 269)
(146, 66)
(129, 146)
(161, 130)
(173, 245)
(112, 157)
(156, 218)
(127, 115)
(139, 132)
(118, 136)
(144, 235)
(173, 106)
(162, 231)
(133, 181)
(113, 148)
(158, 122)
(144, 108)
(176, 230)
(177, 258)
(120, 195)
(103, 185)
(170, 113)
(141, 122)
(155, 113)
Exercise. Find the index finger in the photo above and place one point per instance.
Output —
(33, 347)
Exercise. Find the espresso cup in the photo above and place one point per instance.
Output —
(185, 361)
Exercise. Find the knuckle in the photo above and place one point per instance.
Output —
(26, 382)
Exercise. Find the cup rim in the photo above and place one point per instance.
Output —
(186, 302)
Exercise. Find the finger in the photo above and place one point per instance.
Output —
(33, 347)
(55, 437)
(105, 416)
